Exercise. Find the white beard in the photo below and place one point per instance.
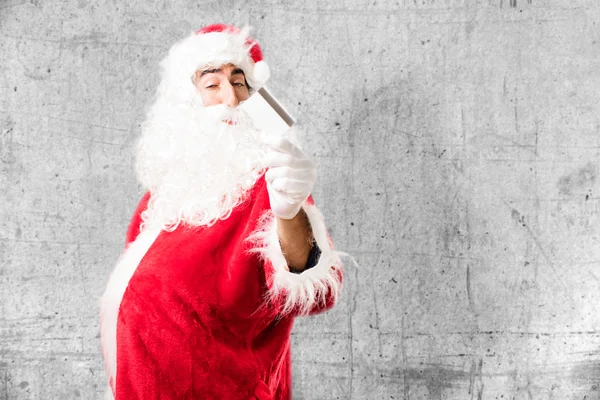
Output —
(197, 168)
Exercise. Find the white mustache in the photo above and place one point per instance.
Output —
(222, 112)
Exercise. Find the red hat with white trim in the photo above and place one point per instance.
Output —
(213, 46)
(260, 71)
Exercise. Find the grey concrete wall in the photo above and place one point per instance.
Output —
(458, 145)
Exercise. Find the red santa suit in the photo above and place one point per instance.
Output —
(206, 312)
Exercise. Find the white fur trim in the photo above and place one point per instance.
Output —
(108, 394)
(261, 72)
(204, 50)
(111, 300)
(301, 292)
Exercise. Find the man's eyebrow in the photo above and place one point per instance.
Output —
(210, 71)
(217, 70)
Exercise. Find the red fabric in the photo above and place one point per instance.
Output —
(194, 323)
(255, 50)
(134, 226)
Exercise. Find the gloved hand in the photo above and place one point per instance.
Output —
(290, 178)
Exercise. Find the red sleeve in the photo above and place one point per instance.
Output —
(312, 291)
(134, 226)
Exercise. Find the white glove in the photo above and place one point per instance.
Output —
(290, 178)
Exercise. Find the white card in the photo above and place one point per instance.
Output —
(267, 113)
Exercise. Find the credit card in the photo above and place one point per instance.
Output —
(268, 113)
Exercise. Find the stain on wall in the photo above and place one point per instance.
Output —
(582, 180)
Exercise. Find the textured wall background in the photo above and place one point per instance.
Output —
(458, 145)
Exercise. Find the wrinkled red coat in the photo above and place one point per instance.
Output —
(206, 312)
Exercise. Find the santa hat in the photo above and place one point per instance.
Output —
(213, 46)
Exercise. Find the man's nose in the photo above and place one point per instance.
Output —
(229, 96)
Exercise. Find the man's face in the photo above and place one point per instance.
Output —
(224, 85)
(199, 159)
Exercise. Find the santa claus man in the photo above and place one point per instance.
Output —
(226, 247)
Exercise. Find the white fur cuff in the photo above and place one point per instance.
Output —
(313, 289)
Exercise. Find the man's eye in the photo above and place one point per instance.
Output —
(239, 84)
